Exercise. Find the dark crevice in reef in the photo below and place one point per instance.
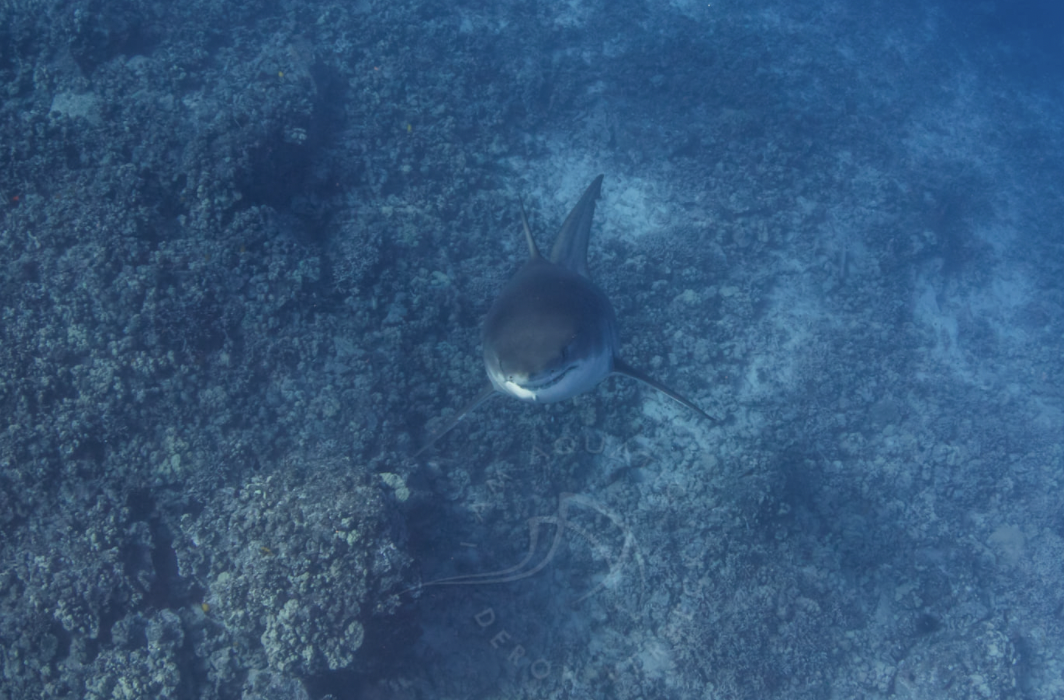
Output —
(167, 589)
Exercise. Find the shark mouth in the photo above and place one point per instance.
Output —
(556, 379)
(531, 392)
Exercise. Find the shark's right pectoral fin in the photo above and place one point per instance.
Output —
(622, 367)
(480, 398)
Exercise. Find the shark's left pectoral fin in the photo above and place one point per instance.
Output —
(472, 405)
(622, 367)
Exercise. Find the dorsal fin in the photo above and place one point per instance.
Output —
(570, 247)
(533, 251)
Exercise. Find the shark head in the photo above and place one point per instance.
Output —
(550, 335)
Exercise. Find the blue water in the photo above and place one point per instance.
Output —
(247, 250)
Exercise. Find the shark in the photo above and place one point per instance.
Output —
(551, 333)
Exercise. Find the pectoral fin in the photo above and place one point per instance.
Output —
(483, 396)
(622, 367)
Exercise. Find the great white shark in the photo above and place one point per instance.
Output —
(551, 333)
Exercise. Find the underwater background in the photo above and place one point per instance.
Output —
(245, 250)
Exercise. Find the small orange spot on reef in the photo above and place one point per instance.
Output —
(409, 128)
(280, 74)
(205, 607)
(266, 550)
